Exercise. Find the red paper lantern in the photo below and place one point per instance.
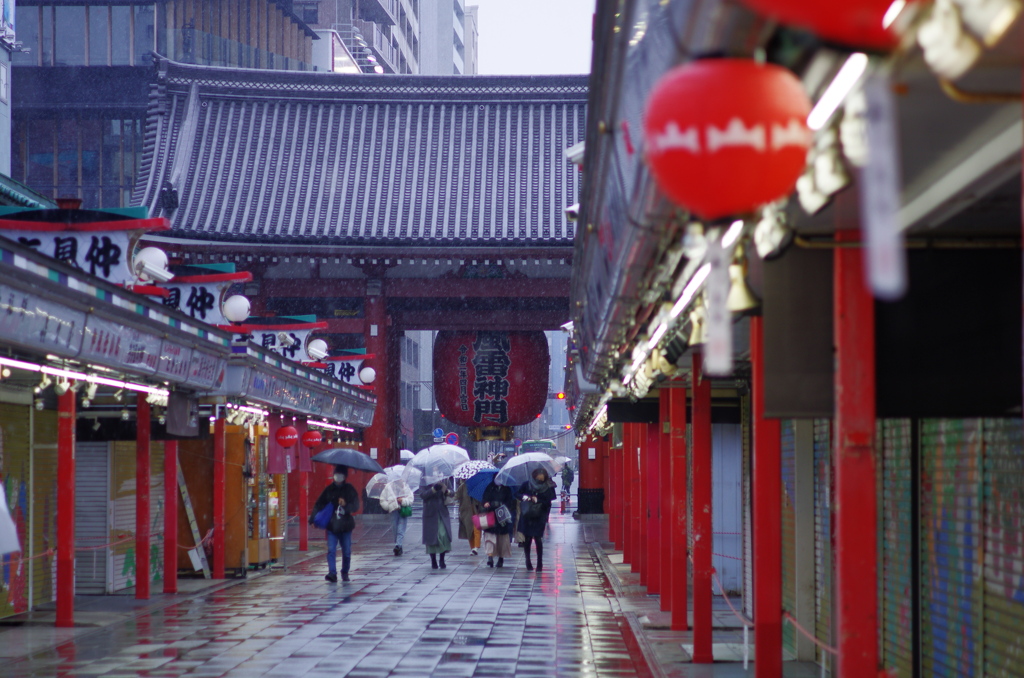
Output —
(491, 380)
(287, 436)
(726, 136)
(857, 23)
(312, 438)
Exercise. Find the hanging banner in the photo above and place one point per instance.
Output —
(718, 349)
(104, 254)
(346, 370)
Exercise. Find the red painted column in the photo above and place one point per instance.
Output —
(142, 435)
(66, 509)
(653, 479)
(303, 517)
(680, 519)
(626, 486)
(219, 485)
(605, 451)
(665, 506)
(702, 526)
(171, 516)
(767, 519)
(378, 438)
(855, 509)
(641, 514)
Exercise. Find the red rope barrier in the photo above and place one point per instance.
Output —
(18, 558)
(827, 648)
(743, 620)
(103, 546)
(722, 555)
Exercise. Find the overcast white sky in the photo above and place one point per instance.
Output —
(534, 37)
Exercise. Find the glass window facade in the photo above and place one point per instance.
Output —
(93, 34)
(91, 158)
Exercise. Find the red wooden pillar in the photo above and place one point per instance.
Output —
(66, 509)
(303, 510)
(702, 524)
(855, 508)
(378, 438)
(591, 474)
(652, 478)
(605, 451)
(626, 488)
(767, 519)
(640, 515)
(142, 499)
(219, 485)
(680, 520)
(171, 516)
(665, 506)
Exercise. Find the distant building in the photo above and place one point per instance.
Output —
(81, 82)
(382, 35)
(443, 37)
(472, 36)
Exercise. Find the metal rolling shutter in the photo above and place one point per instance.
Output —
(896, 602)
(91, 509)
(788, 490)
(748, 541)
(156, 512)
(951, 547)
(1004, 548)
(823, 536)
(44, 506)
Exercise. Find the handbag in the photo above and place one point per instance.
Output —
(342, 521)
(405, 511)
(502, 515)
(484, 521)
(322, 519)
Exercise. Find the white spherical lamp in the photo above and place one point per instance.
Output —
(150, 265)
(317, 349)
(367, 375)
(236, 308)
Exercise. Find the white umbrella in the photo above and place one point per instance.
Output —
(520, 468)
(406, 455)
(437, 462)
(471, 468)
(391, 474)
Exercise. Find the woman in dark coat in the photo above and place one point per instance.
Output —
(468, 507)
(498, 539)
(535, 497)
(437, 523)
(345, 500)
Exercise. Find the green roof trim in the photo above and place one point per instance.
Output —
(16, 194)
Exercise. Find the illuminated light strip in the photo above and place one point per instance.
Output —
(733, 234)
(80, 376)
(846, 79)
(246, 408)
(333, 427)
(690, 291)
(895, 9)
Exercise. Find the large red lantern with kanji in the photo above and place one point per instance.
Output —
(726, 136)
(287, 436)
(312, 438)
(490, 381)
(857, 23)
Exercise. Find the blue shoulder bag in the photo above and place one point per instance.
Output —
(323, 518)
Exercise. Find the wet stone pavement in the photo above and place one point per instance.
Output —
(397, 617)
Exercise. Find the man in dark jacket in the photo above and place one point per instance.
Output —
(345, 500)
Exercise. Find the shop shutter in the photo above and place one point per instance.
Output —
(951, 547)
(748, 540)
(823, 537)
(156, 512)
(1004, 556)
(92, 467)
(15, 470)
(44, 506)
(896, 612)
(788, 490)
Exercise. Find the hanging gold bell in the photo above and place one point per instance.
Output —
(740, 297)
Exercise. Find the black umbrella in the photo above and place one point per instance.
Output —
(354, 459)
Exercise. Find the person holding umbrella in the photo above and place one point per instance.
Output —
(344, 500)
(535, 497)
(437, 523)
(468, 507)
(498, 539)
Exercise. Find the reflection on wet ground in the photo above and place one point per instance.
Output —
(397, 617)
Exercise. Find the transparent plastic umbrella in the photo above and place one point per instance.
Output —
(562, 461)
(405, 455)
(437, 462)
(471, 468)
(391, 474)
(520, 468)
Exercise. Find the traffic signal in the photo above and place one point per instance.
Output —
(556, 396)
